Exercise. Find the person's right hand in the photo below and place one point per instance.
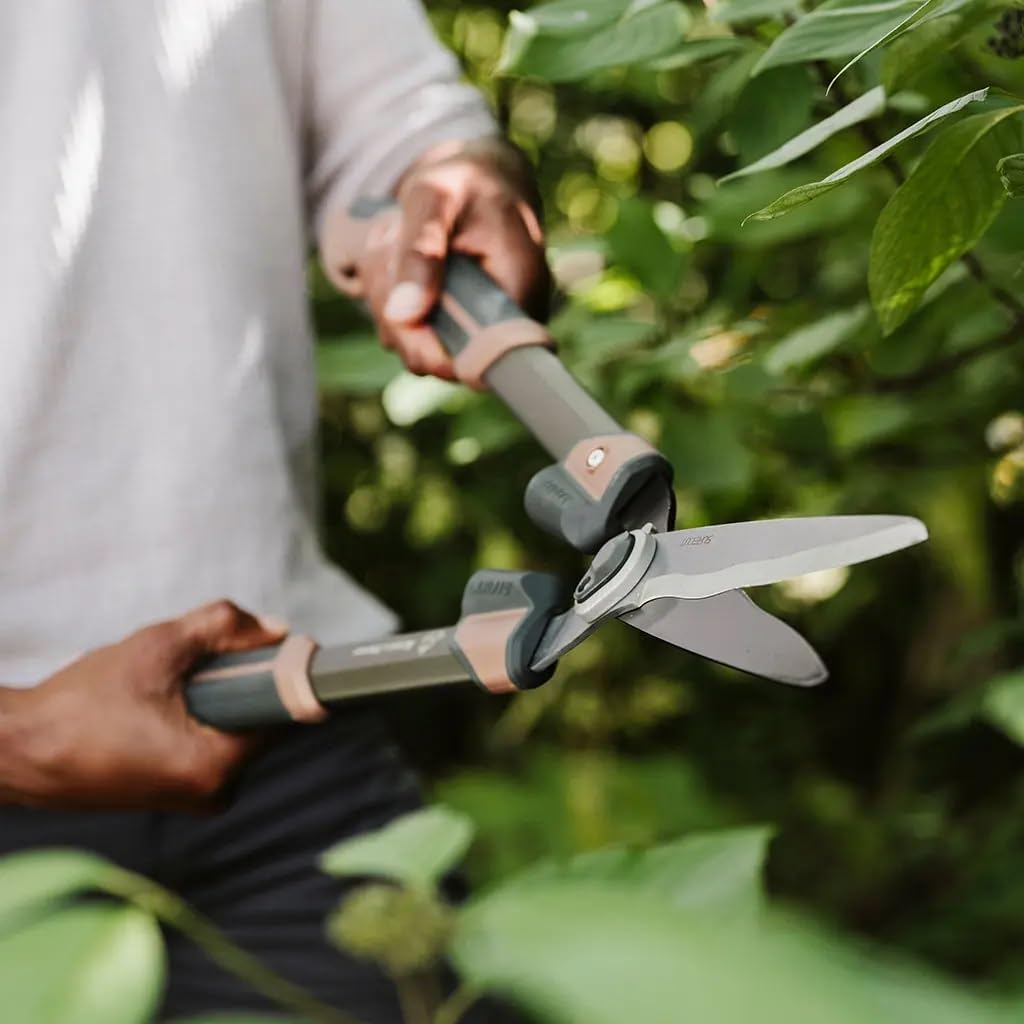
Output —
(112, 730)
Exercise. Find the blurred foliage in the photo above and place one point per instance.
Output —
(750, 353)
(788, 248)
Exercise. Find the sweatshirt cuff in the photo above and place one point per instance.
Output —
(379, 173)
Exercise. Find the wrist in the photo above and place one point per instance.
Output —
(24, 760)
(493, 153)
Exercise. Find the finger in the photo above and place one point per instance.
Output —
(423, 353)
(510, 248)
(222, 627)
(427, 220)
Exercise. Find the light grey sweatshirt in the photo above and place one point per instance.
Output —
(163, 164)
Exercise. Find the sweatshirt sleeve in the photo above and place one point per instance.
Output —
(381, 90)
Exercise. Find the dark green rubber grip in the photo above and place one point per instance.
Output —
(235, 692)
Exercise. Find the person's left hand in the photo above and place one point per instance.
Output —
(475, 199)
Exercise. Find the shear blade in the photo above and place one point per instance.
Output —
(703, 562)
(730, 629)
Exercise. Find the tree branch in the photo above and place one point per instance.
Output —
(951, 363)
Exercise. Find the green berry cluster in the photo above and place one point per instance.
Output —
(403, 930)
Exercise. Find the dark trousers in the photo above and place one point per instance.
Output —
(252, 868)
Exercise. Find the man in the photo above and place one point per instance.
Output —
(162, 161)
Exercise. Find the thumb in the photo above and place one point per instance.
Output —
(222, 627)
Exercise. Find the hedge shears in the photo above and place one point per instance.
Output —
(608, 493)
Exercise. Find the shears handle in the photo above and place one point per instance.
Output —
(494, 344)
(505, 615)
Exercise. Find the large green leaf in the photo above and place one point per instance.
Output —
(643, 32)
(357, 365)
(573, 17)
(838, 28)
(698, 51)
(1003, 705)
(861, 421)
(579, 951)
(805, 193)
(734, 12)
(771, 109)
(869, 105)
(417, 849)
(719, 871)
(31, 880)
(97, 963)
(940, 212)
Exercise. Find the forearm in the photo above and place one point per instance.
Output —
(382, 92)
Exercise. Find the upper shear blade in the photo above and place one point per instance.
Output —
(711, 560)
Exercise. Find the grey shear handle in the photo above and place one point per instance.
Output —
(256, 689)
(530, 379)
(490, 337)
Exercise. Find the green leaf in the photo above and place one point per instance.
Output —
(837, 28)
(735, 12)
(707, 452)
(97, 963)
(860, 421)
(940, 212)
(1011, 174)
(357, 365)
(641, 34)
(698, 51)
(641, 247)
(1003, 705)
(770, 109)
(805, 193)
(904, 26)
(416, 850)
(871, 104)
(572, 17)
(31, 880)
(810, 343)
(581, 951)
(248, 1018)
(717, 871)
(408, 399)
(911, 54)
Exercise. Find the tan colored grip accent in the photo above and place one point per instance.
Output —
(291, 677)
(594, 472)
(489, 344)
(483, 638)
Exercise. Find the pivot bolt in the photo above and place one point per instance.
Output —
(595, 458)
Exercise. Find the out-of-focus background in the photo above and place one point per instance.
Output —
(751, 356)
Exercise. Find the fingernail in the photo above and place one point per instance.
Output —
(405, 302)
(272, 623)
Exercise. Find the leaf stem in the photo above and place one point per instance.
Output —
(175, 912)
(455, 1006)
(941, 367)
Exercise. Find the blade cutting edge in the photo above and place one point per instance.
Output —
(730, 629)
